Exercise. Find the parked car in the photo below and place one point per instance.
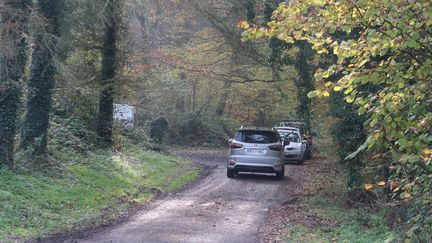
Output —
(300, 125)
(295, 148)
(255, 149)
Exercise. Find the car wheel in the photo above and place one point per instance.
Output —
(308, 154)
(280, 175)
(230, 173)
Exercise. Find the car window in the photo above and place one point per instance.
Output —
(292, 137)
(283, 133)
(256, 136)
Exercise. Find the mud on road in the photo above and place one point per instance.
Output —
(214, 209)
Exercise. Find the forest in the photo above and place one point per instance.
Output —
(356, 72)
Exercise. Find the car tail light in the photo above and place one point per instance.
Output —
(277, 147)
(235, 145)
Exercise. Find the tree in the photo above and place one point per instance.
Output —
(41, 80)
(304, 82)
(301, 61)
(349, 134)
(109, 65)
(13, 27)
(392, 53)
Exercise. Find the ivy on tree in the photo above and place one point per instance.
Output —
(109, 68)
(13, 57)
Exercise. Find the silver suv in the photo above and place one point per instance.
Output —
(255, 149)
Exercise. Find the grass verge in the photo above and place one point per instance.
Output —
(321, 213)
(78, 191)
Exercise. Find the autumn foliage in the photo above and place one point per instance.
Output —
(385, 45)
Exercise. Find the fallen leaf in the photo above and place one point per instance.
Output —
(368, 187)
(381, 183)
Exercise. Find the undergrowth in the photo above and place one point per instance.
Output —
(324, 214)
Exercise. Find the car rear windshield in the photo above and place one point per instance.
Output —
(256, 136)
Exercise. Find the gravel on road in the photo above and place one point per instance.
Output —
(214, 209)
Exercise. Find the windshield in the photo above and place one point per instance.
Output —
(292, 137)
(285, 132)
(256, 136)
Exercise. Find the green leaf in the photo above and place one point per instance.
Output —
(319, 76)
(349, 99)
(361, 110)
(360, 149)
(337, 88)
(313, 94)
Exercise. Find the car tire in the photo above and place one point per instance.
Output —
(231, 173)
(280, 175)
(308, 154)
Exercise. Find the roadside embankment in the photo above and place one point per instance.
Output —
(77, 191)
(320, 211)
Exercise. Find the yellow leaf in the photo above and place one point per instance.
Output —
(368, 187)
(326, 93)
(336, 50)
(381, 183)
(243, 25)
(322, 51)
(426, 152)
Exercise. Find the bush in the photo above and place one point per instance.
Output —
(158, 129)
(139, 136)
(200, 132)
(71, 133)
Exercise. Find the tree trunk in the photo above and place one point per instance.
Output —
(220, 108)
(249, 5)
(41, 81)
(305, 82)
(13, 45)
(106, 100)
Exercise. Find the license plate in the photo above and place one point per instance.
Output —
(255, 151)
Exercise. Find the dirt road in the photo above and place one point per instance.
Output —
(215, 209)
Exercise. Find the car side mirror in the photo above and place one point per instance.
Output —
(230, 140)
